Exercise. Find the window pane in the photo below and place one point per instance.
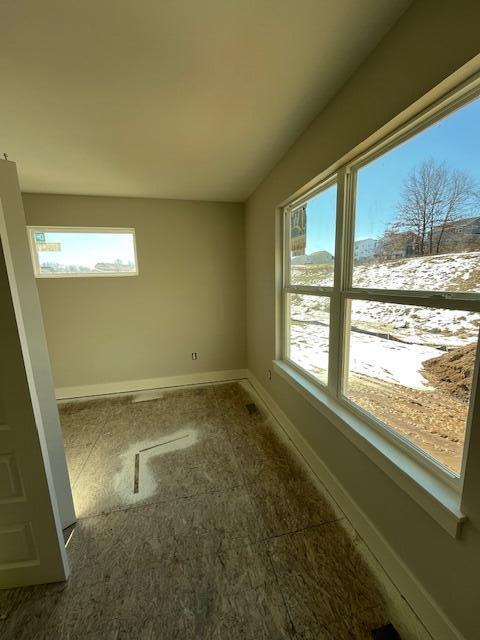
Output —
(308, 337)
(64, 252)
(418, 210)
(312, 240)
(411, 367)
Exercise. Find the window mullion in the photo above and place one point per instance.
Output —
(423, 299)
(309, 291)
(341, 276)
(335, 340)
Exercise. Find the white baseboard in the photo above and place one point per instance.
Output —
(85, 391)
(420, 601)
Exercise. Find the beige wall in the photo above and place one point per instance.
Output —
(189, 295)
(431, 41)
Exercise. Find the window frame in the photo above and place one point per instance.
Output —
(343, 291)
(31, 229)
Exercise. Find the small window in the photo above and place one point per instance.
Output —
(60, 252)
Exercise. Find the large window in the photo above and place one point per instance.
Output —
(72, 252)
(385, 316)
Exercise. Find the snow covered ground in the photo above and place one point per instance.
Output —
(309, 349)
(423, 331)
(418, 325)
(371, 356)
(445, 272)
(389, 361)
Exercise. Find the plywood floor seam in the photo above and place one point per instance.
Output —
(225, 539)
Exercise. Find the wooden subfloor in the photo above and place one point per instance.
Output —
(195, 523)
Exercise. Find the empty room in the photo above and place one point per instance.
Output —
(240, 313)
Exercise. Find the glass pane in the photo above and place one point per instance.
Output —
(308, 335)
(418, 211)
(412, 368)
(84, 252)
(312, 240)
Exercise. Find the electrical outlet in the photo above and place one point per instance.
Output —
(194, 355)
(268, 373)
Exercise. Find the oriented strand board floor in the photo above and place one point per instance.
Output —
(215, 533)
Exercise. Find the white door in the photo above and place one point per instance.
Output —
(30, 321)
(31, 540)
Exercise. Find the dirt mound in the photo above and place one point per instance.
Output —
(434, 421)
(452, 372)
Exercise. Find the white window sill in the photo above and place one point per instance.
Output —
(440, 500)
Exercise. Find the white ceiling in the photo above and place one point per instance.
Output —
(191, 99)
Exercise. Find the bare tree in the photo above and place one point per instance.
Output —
(433, 197)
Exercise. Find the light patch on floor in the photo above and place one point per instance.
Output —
(147, 451)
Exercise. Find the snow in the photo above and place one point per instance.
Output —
(420, 333)
(372, 356)
(428, 273)
(390, 361)
(309, 349)
(420, 325)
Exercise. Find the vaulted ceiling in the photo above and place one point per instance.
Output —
(192, 99)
